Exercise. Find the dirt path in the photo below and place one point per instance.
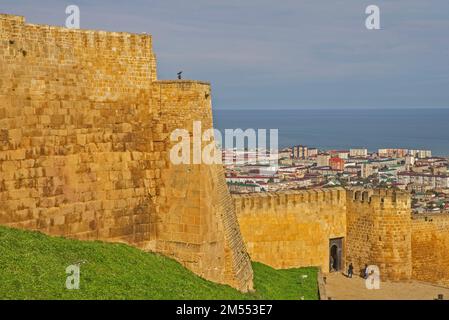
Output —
(338, 287)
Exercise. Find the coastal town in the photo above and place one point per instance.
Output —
(425, 176)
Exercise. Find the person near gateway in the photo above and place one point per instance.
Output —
(350, 270)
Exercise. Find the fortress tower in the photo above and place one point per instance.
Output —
(379, 232)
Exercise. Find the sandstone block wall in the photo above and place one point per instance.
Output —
(379, 232)
(430, 248)
(293, 228)
(84, 146)
(75, 134)
(198, 221)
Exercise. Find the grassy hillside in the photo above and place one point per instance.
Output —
(32, 266)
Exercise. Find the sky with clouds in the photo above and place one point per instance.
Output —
(284, 54)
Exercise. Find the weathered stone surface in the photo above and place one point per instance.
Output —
(379, 232)
(84, 148)
(293, 228)
(430, 248)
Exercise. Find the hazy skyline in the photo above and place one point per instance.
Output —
(289, 54)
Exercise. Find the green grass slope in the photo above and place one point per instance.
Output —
(32, 266)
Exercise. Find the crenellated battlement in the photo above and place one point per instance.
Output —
(379, 198)
(374, 198)
(11, 18)
(288, 199)
(119, 43)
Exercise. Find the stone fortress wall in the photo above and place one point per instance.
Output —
(84, 146)
(430, 248)
(379, 233)
(294, 229)
(84, 153)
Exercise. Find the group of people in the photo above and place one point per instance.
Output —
(363, 271)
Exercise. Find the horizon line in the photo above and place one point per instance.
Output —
(328, 108)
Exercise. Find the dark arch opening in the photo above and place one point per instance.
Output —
(334, 258)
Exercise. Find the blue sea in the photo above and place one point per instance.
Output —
(346, 128)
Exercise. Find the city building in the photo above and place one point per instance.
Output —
(303, 152)
(355, 153)
(337, 164)
(342, 154)
(423, 181)
(421, 154)
(353, 169)
(323, 160)
(382, 163)
(239, 187)
(409, 161)
(299, 152)
(285, 153)
(293, 171)
(366, 170)
(324, 171)
(312, 152)
(242, 157)
(392, 153)
(251, 179)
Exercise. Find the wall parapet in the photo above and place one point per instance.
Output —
(21, 20)
(379, 198)
(182, 82)
(430, 216)
(286, 199)
(120, 43)
(13, 18)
